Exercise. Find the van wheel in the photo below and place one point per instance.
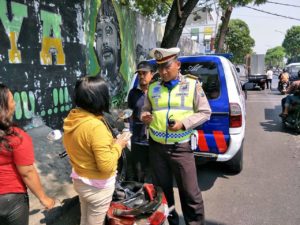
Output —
(235, 165)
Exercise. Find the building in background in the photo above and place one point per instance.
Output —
(202, 26)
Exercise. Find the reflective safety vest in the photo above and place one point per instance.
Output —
(175, 104)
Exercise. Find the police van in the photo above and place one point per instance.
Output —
(221, 138)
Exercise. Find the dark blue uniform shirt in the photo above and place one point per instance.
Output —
(135, 102)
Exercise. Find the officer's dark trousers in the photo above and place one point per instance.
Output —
(14, 209)
(178, 160)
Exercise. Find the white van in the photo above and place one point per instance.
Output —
(293, 69)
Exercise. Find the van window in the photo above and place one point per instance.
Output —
(293, 68)
(207, 73)
(236, 80)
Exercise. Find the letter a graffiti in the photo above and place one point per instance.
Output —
(51, 43)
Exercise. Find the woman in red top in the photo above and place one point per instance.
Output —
(17, 171)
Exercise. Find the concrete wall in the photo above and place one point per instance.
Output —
(45, 46)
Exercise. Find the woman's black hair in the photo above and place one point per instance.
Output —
(6, 123)
(92, 95)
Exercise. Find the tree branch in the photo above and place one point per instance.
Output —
(179, 7)
(188, 7)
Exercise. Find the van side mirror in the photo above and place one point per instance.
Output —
(238, 70)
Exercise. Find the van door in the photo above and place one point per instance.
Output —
(213, 135)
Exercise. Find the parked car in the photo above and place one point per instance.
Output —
(293, 69)
(221, 138)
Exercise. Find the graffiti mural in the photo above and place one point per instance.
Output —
(108, 48)
(45, 46)
(117, 44)
(121, 39)
(42, 54)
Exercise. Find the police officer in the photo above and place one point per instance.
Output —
(174, 106)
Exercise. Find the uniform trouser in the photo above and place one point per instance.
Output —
(178, 160)
(94, 202)
(14, 209)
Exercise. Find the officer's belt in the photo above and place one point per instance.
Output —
(177, 142)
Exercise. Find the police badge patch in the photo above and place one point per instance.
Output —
(183, 89)
(156, 92)
(158, 55)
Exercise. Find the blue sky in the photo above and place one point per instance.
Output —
(267, 30)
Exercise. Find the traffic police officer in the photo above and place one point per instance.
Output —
(175, 105)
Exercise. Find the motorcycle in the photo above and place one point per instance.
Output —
(292, 121)
(136, 203)
(282, 87)
(133, 203)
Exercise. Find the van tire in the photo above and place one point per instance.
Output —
(235, 165)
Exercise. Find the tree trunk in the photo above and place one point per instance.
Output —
(224, 26)
(176, 22)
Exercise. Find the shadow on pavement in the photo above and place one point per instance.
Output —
(66, 214)
(213, 223)
(209, 172)
(273, 121)
(50, 165)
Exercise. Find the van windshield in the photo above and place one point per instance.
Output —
(207, 73)
(294, 68)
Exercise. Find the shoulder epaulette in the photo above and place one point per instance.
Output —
(191, 76)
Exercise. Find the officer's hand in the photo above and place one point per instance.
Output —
(147, 118)
(177, 126)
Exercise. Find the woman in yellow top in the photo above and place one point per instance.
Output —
(92, 150)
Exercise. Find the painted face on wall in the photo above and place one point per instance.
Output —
(107, 46)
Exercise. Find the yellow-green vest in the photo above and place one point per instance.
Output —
(176, 104)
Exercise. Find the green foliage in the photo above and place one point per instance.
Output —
(236, 3)
(227, 6)
(275, 56)
(291, 42)
(153, 8)
(238, 40)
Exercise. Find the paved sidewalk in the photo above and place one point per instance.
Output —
(54, 173)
